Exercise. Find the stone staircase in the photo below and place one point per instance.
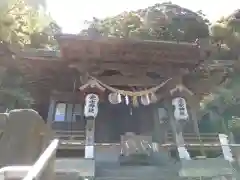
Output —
(116, 172)
(108, 167)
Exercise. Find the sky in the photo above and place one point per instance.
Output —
(71, 14)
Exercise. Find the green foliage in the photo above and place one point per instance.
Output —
(23, 26)
(224, 102)
(164, 21)
(20, 24)
(234, 123)
(227, 32)
(222, 97)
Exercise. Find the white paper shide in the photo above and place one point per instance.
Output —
(180, 110)
(91, 105)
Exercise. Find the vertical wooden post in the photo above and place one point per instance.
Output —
(51, 110)
(160, 129)
(176, 128)
(196, 129)
(69, 112)
(177, 132)
(91, 91)
(90, 140)
(90, 113)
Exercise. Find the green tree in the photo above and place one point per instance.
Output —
(226, 33)
(223, 104)
(22, 26)
(165, 21)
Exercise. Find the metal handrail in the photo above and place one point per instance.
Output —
(37, 169)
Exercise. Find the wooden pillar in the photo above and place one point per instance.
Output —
(90, 113)
(160, 127)
(92, 92)
(51, 110)
(175, 126)
(196, 128)
(69, 112)
(177, 129)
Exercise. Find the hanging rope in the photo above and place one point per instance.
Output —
(131, 93)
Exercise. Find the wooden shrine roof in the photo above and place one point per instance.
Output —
(81, 48)
(48, 69)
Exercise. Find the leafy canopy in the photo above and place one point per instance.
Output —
(21, 24)
(165, 21)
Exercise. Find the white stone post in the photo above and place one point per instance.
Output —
(227, 153)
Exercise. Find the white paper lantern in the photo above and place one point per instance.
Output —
(145, 100)
(91, 105)
(180, 111)
(114, 98)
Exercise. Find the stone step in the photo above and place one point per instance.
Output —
(67, 176)
(111, 154)
(137, 172)
(116, 178)
(107, 153)
(107, 166)
(74, 167)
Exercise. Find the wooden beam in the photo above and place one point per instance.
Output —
(129, 81)
(66, 96)
(97, 67)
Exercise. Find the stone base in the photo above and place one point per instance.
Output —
(135, 159)
(205, 168)
(79, 167)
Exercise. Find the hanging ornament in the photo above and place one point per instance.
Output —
(126, 100)
(119, 97)
(114, 98)
(91, 105)
(135, 101)
(153, 98)
(145, 100)
(180, 110)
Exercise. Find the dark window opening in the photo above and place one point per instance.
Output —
(110, 73)
(153, 75)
